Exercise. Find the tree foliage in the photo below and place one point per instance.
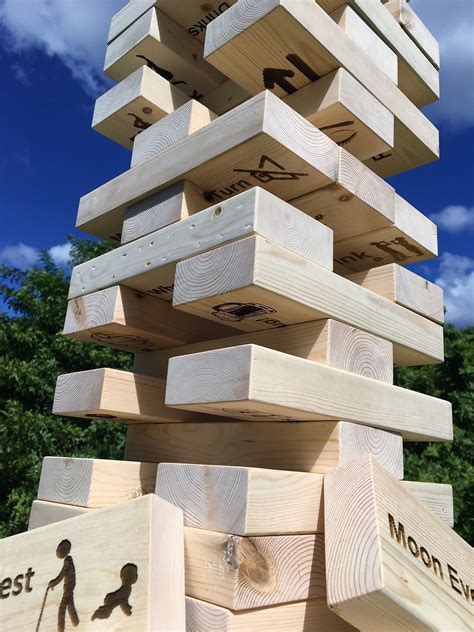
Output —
(34, 352)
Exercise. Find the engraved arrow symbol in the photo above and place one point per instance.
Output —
(276, 77)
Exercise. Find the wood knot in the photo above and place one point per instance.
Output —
(241, 554)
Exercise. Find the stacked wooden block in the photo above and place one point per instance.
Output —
(258, 282)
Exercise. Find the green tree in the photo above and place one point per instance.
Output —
(33, 353)
(448, 462)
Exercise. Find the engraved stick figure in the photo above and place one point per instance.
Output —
(67, 575)
(129, 576)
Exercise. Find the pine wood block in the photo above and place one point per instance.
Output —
(307, 447)
(391, 564)
(94, 483)
(156, 41)
(414, 27)
(301, 616)
(183, 122)
(148, 264)
(242, 573)
(79, 573)
(324, 341)
(254, 285)
(243, 501)
(114, 394)
(126, 319)
(436, 496)
(412, 238)
(262, 142)
(133, 105)
(347, 112)
(193, 15)
(254, 382)
(367, 40)
(43, 513)
(417, 77)
(283, 46)
(165, 207)
(405, 288)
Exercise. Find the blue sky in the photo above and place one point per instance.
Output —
(51, 55)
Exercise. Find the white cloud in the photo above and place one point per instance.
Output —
(452, 23)
(20, 74)
(60, 254)
(73, 30)
(455, 218)
(19, 255)
(456, 276)
(23, 256)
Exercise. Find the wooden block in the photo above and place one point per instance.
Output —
(254, 285)
(438, 497)
(254, 382)
(134, 105)
(183, 122)
(324, 341)
(79, 573)
(391, 564)
(301, 616)
(405, 288)
(262, 142)
(148, 264)
(129, 320)
(283, 46)
(154, 40)
(165, 207)
(43, 513)
(114, 394)
(417, 78)
(367, 40)
(243, 573)
(414, 27)
(94, 483)
(307, 447)
(193, 15)
(349, 114)
(244, 501)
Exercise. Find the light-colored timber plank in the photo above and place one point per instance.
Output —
(156, 41)
(78, 572)
(307, 447)
(251, 572)
(185, 120)
(254, 285)
(148, 264)
(300, 616)
(130, 107)
(367, 40)
(372, 224)
(244, 501)
(192, 15)
(94, 483)
(417, 77)
(347, 112)
(261, 142)
(436, 496)
(43, 513)
(325, 341)
(165, 207)
(283, 45)
(114, 394)
(405, 288)
(126, 319)
(254, 382)
(412, 24)
(391, 564)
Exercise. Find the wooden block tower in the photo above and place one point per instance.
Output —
(258, 278)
